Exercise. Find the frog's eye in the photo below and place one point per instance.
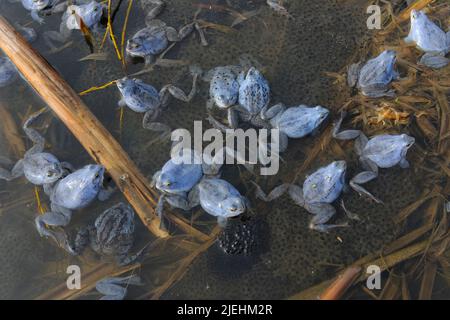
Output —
(49, 174)
(167, 183)
(233, 209)
(97, 175)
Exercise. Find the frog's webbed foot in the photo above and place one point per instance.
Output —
(274, 194)
(115, 288)
(54, 36)
(16, 172)
(322, 212)
(346, 134)
(54, 219)
(269, 113)
(157, 8)
(157, 127)
(277, 6)
(361, 178)
(125, 260)
(434, 61)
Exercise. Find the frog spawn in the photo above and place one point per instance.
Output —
(429, 38)
(381, 151)
(144, 98)
(374, 77)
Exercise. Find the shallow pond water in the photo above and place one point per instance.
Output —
(296, 56)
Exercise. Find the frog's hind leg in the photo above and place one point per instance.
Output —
(125, 260)
(322, 212)
(149, 124)
(113, 289)
(434, 61)
(33, 134)
(16, 172)
(361, 178)
(54, 36)
(346, 134)
(274, 194)
(177, 93)
(353, 74)
(36, 17)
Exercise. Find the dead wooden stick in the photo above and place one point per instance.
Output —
(97, 141)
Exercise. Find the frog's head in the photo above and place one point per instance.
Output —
(93, 12)
(38, 4)
(408, 141)
(320, 114)
(135, 47)
(124, 83)
(233, 206)
(416, 15)
(339, 167)
(45, 169)
(90, 177)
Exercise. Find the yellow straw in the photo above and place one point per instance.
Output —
(124, 29)
(97, 88)
(111, 33)
(38, 200)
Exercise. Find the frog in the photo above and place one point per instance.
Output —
(115, 288)
(381, 151)
(8, 72)
(90, 13)
(374, 77)
(244, 94)
(320, 190)
(27, 32)
(154, 39)
(429, 38)
(178, 181)
(45, 7)
(75, 191)
(221, 199)
(112, 234)
(294, 122)
(144, 98)
(39, 167)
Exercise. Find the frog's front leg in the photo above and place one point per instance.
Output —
(105, 193)
(434, 60)
(36, 17)
(274, 194)
(113, 289)
(16, 172)
(322, 212)
(346, 134)
(60, 7)
(269, 113)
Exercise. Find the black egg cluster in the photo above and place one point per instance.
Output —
(238, 238)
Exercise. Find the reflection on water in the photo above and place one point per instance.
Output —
(294, 55)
